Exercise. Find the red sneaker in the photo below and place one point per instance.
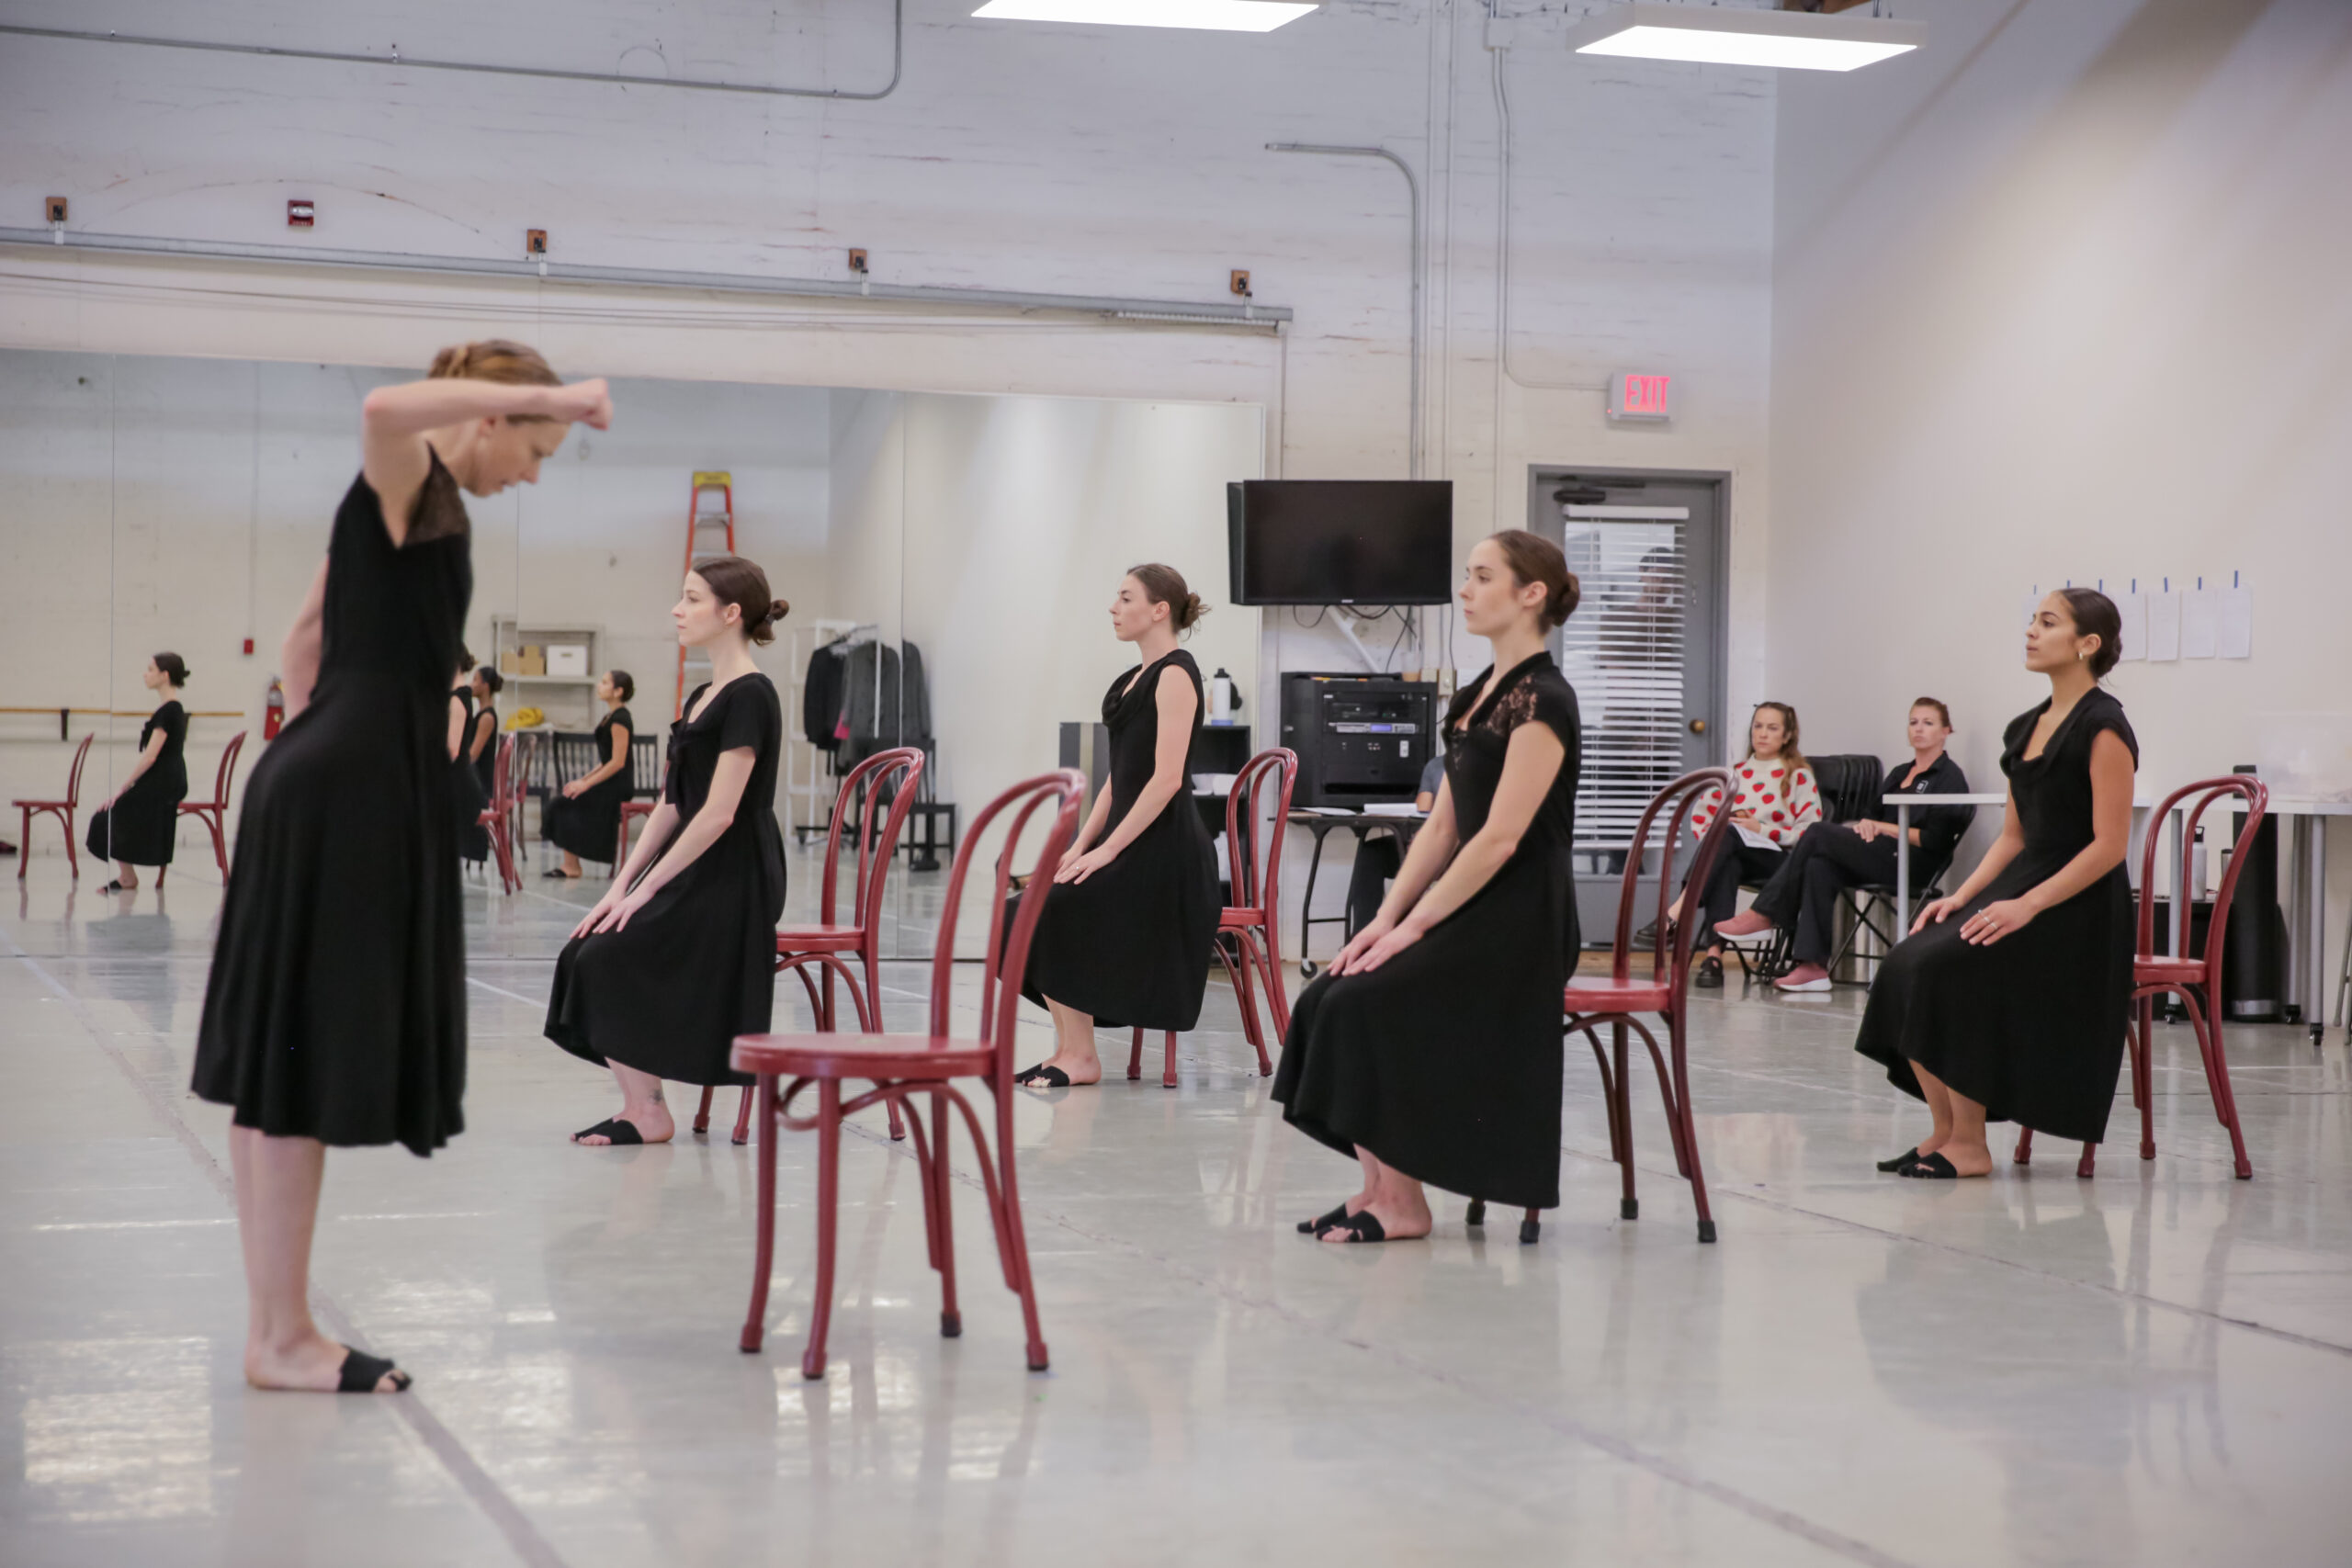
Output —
(1805, 977)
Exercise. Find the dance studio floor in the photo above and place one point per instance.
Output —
(2152, 1366)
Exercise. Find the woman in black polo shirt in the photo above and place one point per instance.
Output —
(1801, 896)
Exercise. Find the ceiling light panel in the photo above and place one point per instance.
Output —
(1784, 39)
(1217, 15)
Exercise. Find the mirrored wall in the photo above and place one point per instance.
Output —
(950, 561)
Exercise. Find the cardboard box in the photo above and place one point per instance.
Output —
(534, 660)
(567, 658)
(510, 663)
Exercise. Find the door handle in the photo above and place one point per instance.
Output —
(1698, 727)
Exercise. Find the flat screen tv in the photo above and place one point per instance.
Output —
(1341, 541)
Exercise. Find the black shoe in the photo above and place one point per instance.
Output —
(1901, 1162)
(1708, 975)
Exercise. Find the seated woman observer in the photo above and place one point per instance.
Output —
(1775, 799)
(585, 817)
(1430, 1051)
(2009, 1001)
(1801, 896)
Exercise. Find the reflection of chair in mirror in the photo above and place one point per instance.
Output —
(498, 816)
(1253, 858)
(214, 813)
(2195, 981)
(886, 778)
(903, 1066)
(61, 809)
(1616, 1000)
(647, 774)
(520, 779)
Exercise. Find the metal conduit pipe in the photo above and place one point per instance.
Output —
(1413, 190)
(898, 55)
(1248, 315)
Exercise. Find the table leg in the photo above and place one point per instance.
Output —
(1306, 900)
(1902, 868)
(2314, 932)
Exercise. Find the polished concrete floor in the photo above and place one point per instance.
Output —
(2151, 1367)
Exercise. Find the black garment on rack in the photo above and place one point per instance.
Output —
(820, 695)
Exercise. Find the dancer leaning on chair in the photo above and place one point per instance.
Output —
(467, 796)
(1124, 939)
(1430, 1051)
(2016, 1010)
(678, 957)
(336, 1012)
(138, 823)
(586, 821)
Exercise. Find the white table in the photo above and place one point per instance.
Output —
(1902, 803)
(2307, 913)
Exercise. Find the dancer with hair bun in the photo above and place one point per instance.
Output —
(336, 1012)
(2009, 1000)
(1124, 938)
(584, 818)
(678, 957)
(138, 823)
(1429, 1050)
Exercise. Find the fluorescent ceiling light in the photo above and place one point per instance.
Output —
(1221, 16)
(1710, 35)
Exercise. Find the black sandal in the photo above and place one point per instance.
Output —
(1362, 1226)
(1933, 1168)
(1902, 1163)
(361, 1372)
(1322, 1222)
(560, 874)
(117, 887)
(614, 1128)
(1052, 1078)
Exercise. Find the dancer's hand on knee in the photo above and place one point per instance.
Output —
(605, 906)
(1994, 921)
(1361, 943)
(1390, 944)
(615, 916)
(1936, 910)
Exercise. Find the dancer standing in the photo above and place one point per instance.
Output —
(483, 748)
(1430, 1051)
(467, 796)
(1124, 938)
(586, 819)
(678, 957)
(139, 822)
(2016, 1011)
(336, 1010)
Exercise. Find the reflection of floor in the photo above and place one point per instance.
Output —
(2152, 1366)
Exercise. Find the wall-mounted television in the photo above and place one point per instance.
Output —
(1341, 541)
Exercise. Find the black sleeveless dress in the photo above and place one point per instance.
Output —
(1445, 1061)
(2031, 1027)
(485, 765)
(336, 1005)
(467, 796)
(589, 824)
(1130, 944)
(138, 829)
(668, 993)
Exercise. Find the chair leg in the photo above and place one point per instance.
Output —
(1134, 1056)
(1689, 1127)
(2141, 1045)
(1620, 1109)
(829, 1184)
(24, 841)
(2090, 1156)
(937, 1199)
(72, 860)
(1014, 1241)
(2024, 1155)
(702, 1111)
(1245, 991)
(743, 1118)
(763, 1247)
(2217, 1083)
(1167, 1072)
(1476, 1214)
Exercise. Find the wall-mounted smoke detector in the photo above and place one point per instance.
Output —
(1217, 15)
(1714, 36)
(301, 214)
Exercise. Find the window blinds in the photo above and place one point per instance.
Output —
(1623, 651)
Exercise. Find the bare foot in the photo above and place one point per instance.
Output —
(1397, 1223)
(1969, 1160)
(1079, 1072)
(653, 1124)
(312, 1365)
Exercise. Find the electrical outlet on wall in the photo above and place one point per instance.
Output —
(56, 205)
(857, 262)
(1240, 283)
(535, 242)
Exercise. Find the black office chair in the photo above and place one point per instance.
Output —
(1865, 902)
(1849, 784)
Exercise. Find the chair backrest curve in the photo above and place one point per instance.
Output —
(74, 779)
(1257, 887)
(2243, 786)
(1669, 953)
(1007, 956)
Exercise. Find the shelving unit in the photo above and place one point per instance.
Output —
(569, 700)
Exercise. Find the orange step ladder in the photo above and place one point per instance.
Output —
(697, 522)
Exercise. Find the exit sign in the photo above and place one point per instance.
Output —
(1633, 396)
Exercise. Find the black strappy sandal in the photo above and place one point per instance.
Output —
(1041, 1077)
(1322, 1222)
(560, 874)
(621, 1133)
(1932, 1168)
(117, 887)
(361, 1372)
(1901, 1163)
(1363, 1226)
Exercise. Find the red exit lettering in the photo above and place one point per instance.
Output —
(1640, 397)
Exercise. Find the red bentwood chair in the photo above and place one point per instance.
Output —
(2195, 981)
(1617, 1001)
(828, 947)
(1250, 920)
(498, 816)
(903, 1065)
(61, 809)
(214, 813)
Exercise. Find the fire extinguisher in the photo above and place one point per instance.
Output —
(273, 717)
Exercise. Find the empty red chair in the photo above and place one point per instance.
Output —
(214, 813)
(1620, 1000)
(61, 809)
(903, 1067)
(1253, 861)
(2195, 981)
(828, 945)
(499, 815)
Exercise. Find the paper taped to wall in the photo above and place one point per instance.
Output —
(2163, 626)
(2237, 623)
(2200, 626)
(2133, 608)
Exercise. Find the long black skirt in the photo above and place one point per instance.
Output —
(1130, 944)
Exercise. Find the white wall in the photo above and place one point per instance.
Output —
(2062, 297)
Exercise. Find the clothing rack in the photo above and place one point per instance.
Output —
(807, 791)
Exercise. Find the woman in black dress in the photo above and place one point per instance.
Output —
(2016, 1011)
(467, 796)
(586, 819)
(1124, 938)
(1429, 1050)
(483, 746)
(336, 1012)
(139, 822)
(678, 957)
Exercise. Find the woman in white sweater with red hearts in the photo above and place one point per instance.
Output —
(1776, 801)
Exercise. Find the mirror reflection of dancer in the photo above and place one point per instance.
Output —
(2016, 1010)
(1430, 1051)
(482, 748)
(1124, 939)
(678, 957)
(336, 1012)
(137, 824)
(467, 796)
(585, 818)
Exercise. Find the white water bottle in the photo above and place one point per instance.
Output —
(1224, 701)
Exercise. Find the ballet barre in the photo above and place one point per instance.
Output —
(63, 714)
